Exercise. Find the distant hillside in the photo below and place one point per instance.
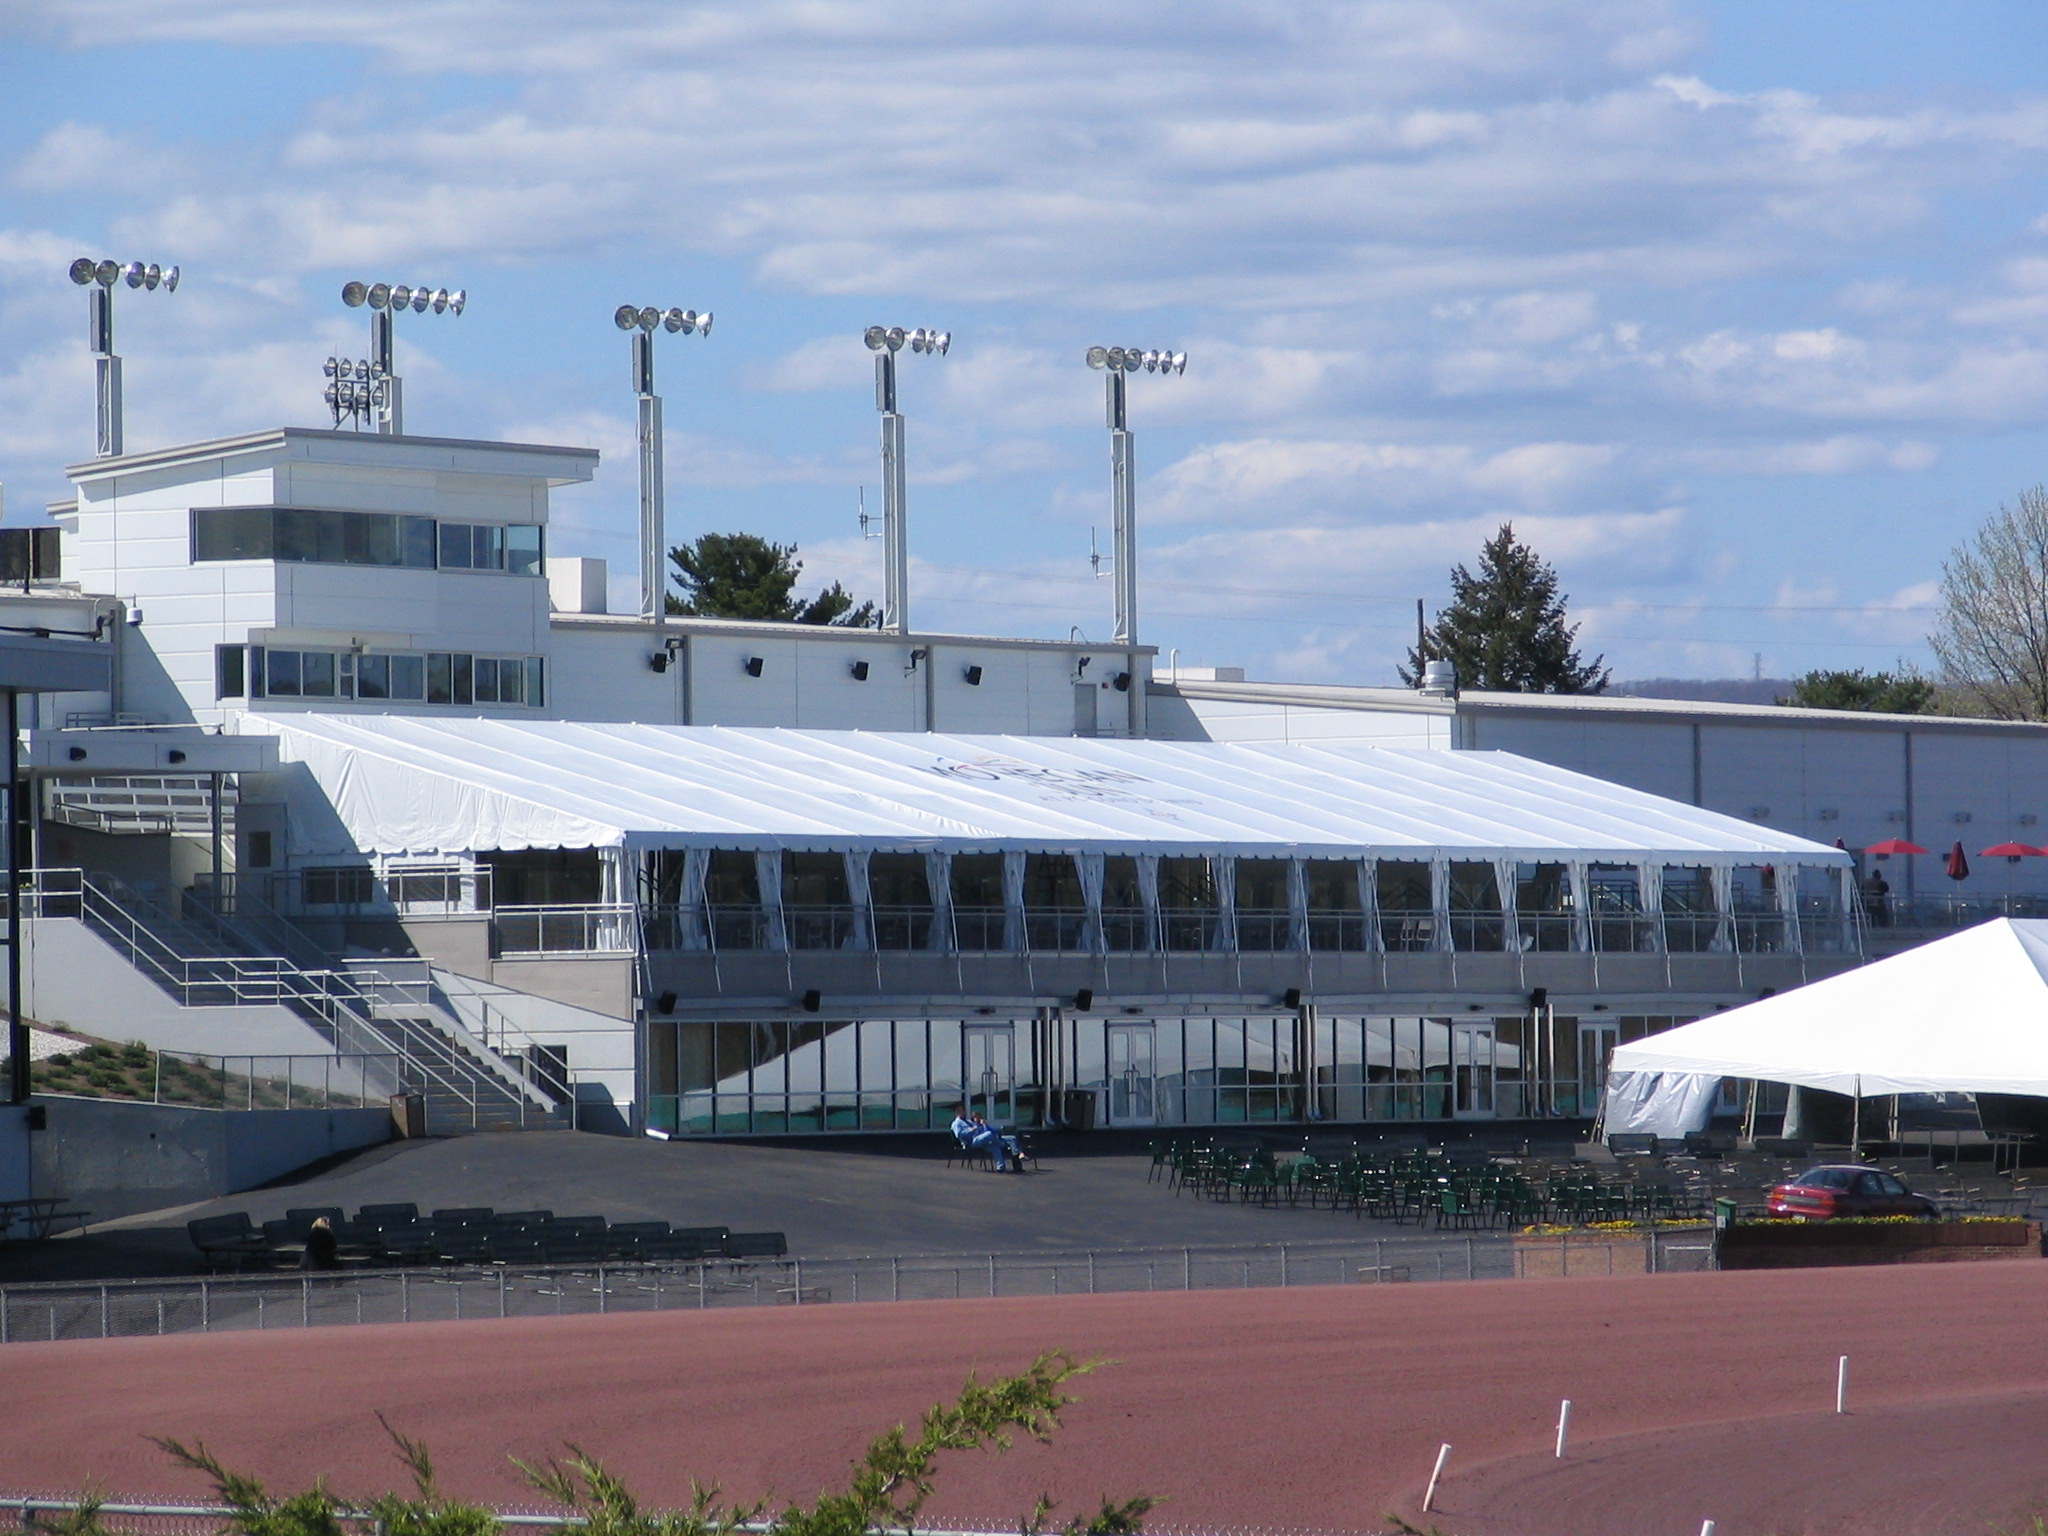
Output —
(1713, 690)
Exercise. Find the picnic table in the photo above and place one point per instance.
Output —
(39, 1214)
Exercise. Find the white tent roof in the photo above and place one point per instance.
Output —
(1966, 1014)
(405, 784)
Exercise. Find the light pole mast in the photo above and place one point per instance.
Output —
(642, 324)
(386, 395)
(99, 277)
(1116, 363)
(885, 343)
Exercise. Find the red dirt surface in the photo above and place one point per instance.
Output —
(1696, 1396)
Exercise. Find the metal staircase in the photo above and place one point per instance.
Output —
(204, 958)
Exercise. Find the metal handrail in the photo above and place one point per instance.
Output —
(329, 1000)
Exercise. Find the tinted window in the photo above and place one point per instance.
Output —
(1891, 1186)
(1824, 1178)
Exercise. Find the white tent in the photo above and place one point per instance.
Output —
(405, 784)
(1966, 1014)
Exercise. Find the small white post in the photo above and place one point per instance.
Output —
(1842, 1385)
(1564, 1425)
(1706, 1528)
(1429, 1497)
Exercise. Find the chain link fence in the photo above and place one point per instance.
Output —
(213, 1304)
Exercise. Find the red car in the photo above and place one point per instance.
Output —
(1845, 1189)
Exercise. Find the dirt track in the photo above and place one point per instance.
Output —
(1696, 1396)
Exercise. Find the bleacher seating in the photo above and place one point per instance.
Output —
(384, 1236)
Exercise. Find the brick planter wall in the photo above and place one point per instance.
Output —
(1825, 1244)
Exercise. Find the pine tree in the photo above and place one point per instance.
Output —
(1505, 629)
(744, 576)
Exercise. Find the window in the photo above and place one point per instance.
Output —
(325, 537)
(345, 886)
(259, 850)
(230, 671)
(409, 677)
(442, 678)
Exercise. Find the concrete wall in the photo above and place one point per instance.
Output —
(15, 1182)
(115, 1159)
(73, 977)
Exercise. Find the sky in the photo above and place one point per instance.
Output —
(1738, 311)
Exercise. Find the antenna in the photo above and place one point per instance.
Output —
(866, 521)
(1095, 559)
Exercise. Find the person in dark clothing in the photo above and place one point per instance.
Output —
(322, 1251)
(1877, 899)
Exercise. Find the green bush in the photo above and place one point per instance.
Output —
(890, 1485)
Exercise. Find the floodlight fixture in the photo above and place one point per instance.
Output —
(641, 322)
(1116, 364)
(386, 301)
(885, 342)
(99, 279)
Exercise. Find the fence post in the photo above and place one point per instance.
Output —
(1468, 1258)
(501, 1292)
(602, 1290)
(799, 1282)
(895, 1278)
(1091, 1271)
(206, 1305)
(1283, 1266)
(1187, 1271)
(404, 1296)
(703, 1290)
(305, 1301)
(991, 1274)
(103, 1312)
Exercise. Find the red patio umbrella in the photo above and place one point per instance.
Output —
(1957, 866)
(2012, 853)
(1892, 845)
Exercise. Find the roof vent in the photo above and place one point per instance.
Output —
(1439, 680)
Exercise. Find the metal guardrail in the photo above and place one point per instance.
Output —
(192, 1080)
(231, 1303)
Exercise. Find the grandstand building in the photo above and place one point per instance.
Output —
(704, 877)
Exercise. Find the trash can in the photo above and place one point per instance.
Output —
(408, 1115)
(1079, 1110)
(1724, 1212)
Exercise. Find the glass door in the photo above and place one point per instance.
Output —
(1132, 1088)
(991, 1076)
(1472, 1071)
(1596, 1044)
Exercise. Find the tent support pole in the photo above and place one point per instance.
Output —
(1856, 1124)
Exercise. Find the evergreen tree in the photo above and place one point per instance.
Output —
(1904, 692)
(1505, 629)
(744, 576)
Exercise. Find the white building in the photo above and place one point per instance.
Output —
(366, 719)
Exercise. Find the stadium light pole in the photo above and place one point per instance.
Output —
(99, 278)
(1116, 364)
(885, 342)
(642, 324)
(387, 301)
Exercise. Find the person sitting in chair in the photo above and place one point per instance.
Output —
(977, 1135)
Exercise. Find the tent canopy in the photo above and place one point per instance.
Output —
(1966, 1014)
(404, 784)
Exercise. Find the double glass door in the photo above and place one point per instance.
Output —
(1472, 1071)
(991, 1077)
(1133, 1085)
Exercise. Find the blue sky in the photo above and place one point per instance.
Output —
(1738, 311)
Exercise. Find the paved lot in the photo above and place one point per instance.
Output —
(1697, 1397)
(894, 1196)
